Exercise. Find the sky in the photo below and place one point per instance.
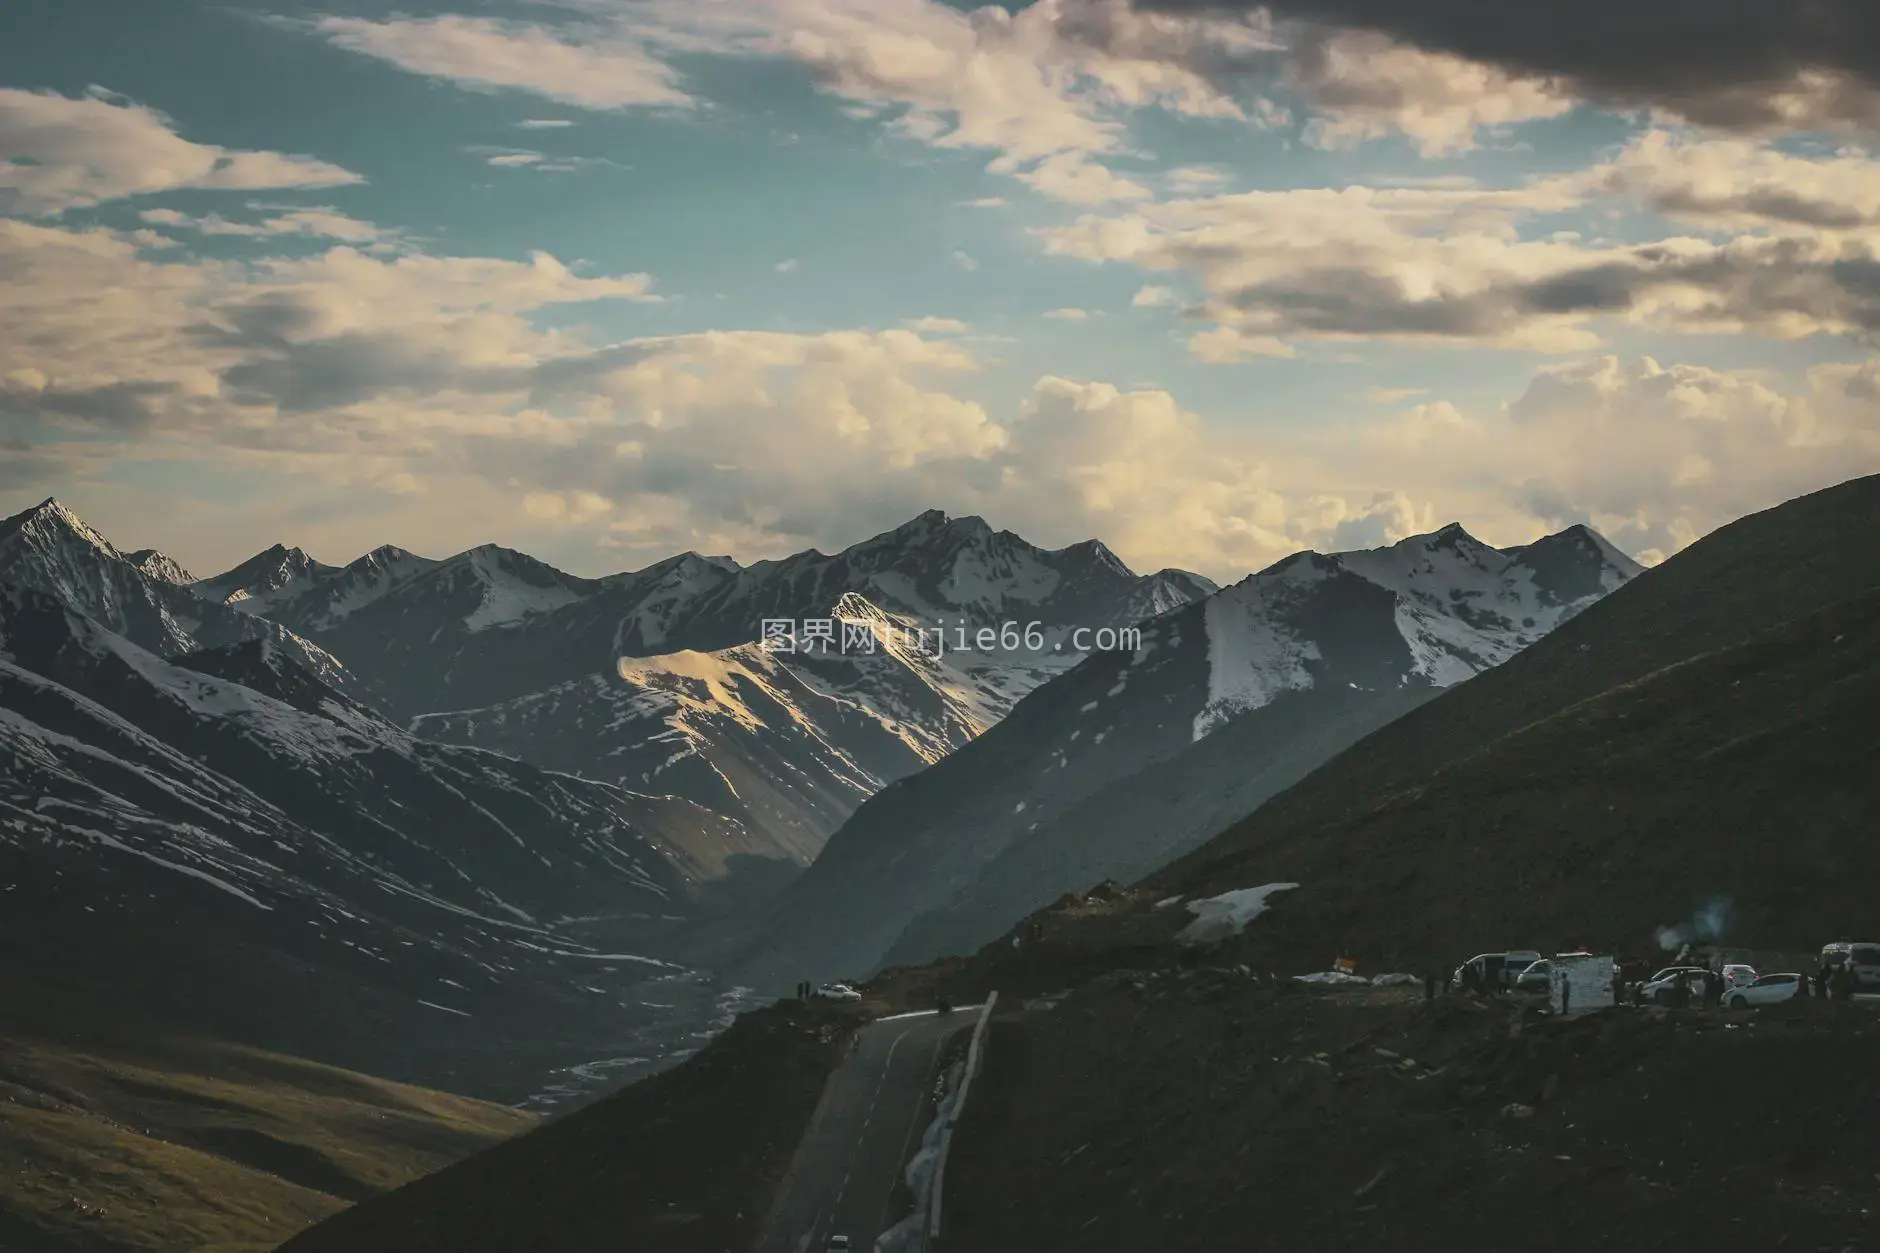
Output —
(607, 280)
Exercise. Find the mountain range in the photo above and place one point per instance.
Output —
(1138, 755)
(482, 786)
(209, 817)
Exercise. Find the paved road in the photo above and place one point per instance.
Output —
(851, 1158)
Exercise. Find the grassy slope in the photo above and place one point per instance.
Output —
(177, 1144)
(684, 1162)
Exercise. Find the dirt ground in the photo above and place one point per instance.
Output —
(1208, 1109)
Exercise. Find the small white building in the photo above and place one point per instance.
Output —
(1576, 984)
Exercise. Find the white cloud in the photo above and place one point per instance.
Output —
(936, 326)
(785, 266)
(544, 123)
(542, 162)
(1067, 315)
(1392, 395)
(62, 153)
(1153, 297)
(1654, 456)
(1452, 265)
(1190, 179)
(600, 71)
(985, 202)
(1224, 345)
(1075, 179)
(317, 223)
(1739, 185)
(1365, 86)
(964, 259)
(1041, 87)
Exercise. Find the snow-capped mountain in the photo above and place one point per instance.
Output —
(785, 744)
(149, 601)
(345, 591)
(491, 625)
(1135, 756)
(230, 812)
(655, 680)
(265, 580)
(651, 679)
(153, 564)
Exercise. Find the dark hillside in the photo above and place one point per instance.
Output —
(1755, 574)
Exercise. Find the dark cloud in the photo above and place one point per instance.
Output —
(1756, 283)
(133, 406)
(1730, 63)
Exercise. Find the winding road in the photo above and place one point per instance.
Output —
(844, 1176)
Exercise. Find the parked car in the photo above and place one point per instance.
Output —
(1766, 990)
(1738, 975)
(838, 992)
(1864, 958)
(1661, 987)
(838, 1244)
(1534, 978)
(1497, 970)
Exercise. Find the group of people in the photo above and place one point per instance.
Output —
(1830, 982)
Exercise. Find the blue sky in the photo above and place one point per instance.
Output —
(1211, 288)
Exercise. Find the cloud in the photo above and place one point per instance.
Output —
(1740, 64)
(62, 153)
(1189, 179)
(544, 123)
(1451, 265)
(1392, 395)
(985, 202)
(1224, 345)
(529, 159)
(964, 259)
(1075, 179)
(1652, 455)
(589, 69)
(1366, 86)
(936, 326)
(1388, 517)
(1738, 185)
(316, 223)
(1041, 88)
(1151, 296)
(785, 266)
(1067, 315)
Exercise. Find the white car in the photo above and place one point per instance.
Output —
(838, 992)
(1766, 990)
(838, 1244)
(1737, 975)
(1659, 989)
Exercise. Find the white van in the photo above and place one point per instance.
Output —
(1862, 956)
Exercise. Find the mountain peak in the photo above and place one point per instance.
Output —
(1452, 535)
(156, 565)
(1095, 554)
(932, 523)
(51, 520)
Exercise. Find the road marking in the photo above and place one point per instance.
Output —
(894, 1181)
(887, 1067)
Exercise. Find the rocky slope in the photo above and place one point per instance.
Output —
(226, 842)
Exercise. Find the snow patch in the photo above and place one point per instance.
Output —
(1221, 917)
